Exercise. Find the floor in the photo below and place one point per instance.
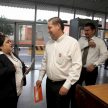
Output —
(26, 100)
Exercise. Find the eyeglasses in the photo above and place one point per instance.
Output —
(8, 41)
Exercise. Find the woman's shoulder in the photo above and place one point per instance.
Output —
(1, 54)
(2, 57)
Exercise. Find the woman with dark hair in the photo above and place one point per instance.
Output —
(11, 73)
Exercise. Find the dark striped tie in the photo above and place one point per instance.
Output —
(84, 57)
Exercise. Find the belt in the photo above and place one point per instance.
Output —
(55, 81)
(84, 67)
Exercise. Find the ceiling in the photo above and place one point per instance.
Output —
(88, 5)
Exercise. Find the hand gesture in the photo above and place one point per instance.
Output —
(26, 70)
(92, 44)
(63, 91)
(90, 68)
(38, 83)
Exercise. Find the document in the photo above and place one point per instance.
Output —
(27, 71)
(38, 94)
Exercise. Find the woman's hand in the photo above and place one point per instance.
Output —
(26, 68)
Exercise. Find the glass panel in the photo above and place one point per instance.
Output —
(106, 37)
(101, 18)
(82, 33)
(66, 29)
(25, 55)
(45, 12)
(66, 14)
(83, 14)
(8, 30)
(107, 22)
(42, 38)
(20, 12)
(25, 34)
(101, 34)
(25, 38)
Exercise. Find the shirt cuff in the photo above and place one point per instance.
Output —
(67, 85)
(96, 63)
(40, 78)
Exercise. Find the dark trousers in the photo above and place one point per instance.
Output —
(55, 100)
(88, 77)
(9, 102)
(106, 63)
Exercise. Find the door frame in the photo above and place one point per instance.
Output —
(16, 39)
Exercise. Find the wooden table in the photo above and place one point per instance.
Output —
(93, 96)
(101, 91)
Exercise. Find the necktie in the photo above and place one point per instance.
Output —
(85, 53)
(84, 57)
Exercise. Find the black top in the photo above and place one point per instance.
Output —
(7, 77)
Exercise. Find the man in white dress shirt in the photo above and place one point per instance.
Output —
(62, 64)
(97, 54)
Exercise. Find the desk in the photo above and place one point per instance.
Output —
(101, 91)
(94, 96)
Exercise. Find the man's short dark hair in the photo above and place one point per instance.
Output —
(56, 20)
(91, 25)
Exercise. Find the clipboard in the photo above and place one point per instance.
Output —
(38, 94)
(27, 71)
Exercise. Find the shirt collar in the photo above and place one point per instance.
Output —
(1, 52)
(4, 53)
(91, 38)
(61, 38)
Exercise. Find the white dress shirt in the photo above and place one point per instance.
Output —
(62, 60)
(18, 73)
(96, 55)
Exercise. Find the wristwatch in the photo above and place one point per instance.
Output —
(95, 65)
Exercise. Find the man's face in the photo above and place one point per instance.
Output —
(52, 30)
(89, 33)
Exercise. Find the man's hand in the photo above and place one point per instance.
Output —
(92, 44)
(38, 83)
(63, 91)
(90, 68)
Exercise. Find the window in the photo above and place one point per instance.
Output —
(8, 30)
(66, 14)
(101, 18)
(83, 14)
(107, 22)
(20, 12)
(45, 12)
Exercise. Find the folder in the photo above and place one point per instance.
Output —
(38, 94)
(28, 68)
(27, 71)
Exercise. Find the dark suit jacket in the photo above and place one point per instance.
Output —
(7, 77)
